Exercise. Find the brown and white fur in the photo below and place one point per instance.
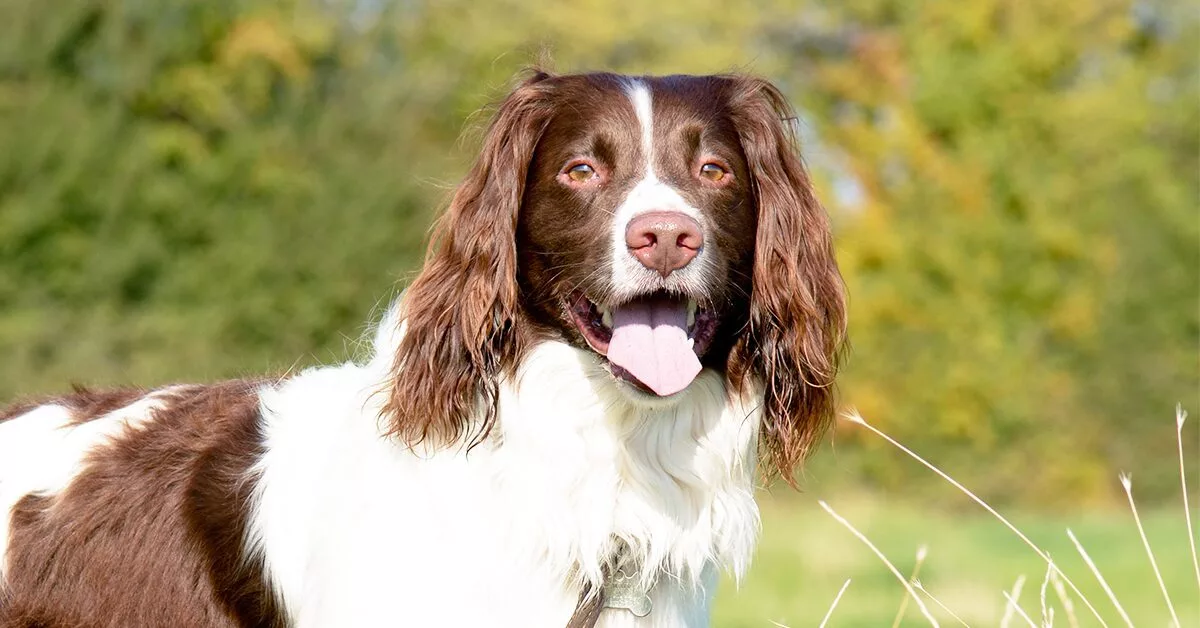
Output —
(488, 461)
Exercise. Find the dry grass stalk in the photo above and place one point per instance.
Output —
(1127, 482)
(1064, 599)
(836, 599)
(896, 572)
(853, 417)
(916, 572)
(1020, 611)
(1180, 417)
(920, 587)
(1100, 578)
(1046, 621)
(1012, 601)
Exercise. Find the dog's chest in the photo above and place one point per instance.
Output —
(357, 531)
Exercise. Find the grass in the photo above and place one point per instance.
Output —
(805, 556)
(973, 567)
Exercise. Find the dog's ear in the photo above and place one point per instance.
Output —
(458, 316)
(797, 306)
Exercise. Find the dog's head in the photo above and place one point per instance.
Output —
(665, 224)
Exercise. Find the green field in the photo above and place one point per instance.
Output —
(805, 556)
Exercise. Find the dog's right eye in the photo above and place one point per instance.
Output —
(712, 172)
(581, 173)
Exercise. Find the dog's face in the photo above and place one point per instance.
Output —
(666, 224)
(637, 228)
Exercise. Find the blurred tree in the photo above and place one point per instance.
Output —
(1023, 250)
(213, 188)
(194, 190)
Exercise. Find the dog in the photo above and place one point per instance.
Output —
(629, 314)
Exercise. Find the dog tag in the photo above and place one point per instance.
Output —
(624, 591)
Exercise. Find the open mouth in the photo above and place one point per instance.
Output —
(653, 341)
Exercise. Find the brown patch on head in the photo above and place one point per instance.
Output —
(520, 238)
(529, 249)
(566, 232)
(151, 532)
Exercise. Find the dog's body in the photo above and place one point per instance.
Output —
(622, 308)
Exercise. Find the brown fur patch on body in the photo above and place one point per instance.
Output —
(151, 532)
(85, 404)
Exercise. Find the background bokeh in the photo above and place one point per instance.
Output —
(199, 189)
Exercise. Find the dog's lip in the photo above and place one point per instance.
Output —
(590, 321)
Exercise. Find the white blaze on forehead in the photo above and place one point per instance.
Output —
(41, 452)
(650, 194)
(639, 93)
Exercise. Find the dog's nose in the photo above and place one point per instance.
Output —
(664, 241)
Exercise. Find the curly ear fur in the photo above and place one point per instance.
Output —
(797, 307)
(459, 317)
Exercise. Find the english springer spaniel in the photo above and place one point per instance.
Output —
(628, 314)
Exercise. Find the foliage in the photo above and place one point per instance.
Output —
(1023, 255)
(193, 191)
(206, 189)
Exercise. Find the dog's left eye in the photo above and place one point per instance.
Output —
(581, 173)
(712, 172)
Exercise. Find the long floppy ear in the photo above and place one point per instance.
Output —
(459, 314)
(797, 305)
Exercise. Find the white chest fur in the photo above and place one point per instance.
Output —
(356, 530)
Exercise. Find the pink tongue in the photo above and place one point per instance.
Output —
(650, 341)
